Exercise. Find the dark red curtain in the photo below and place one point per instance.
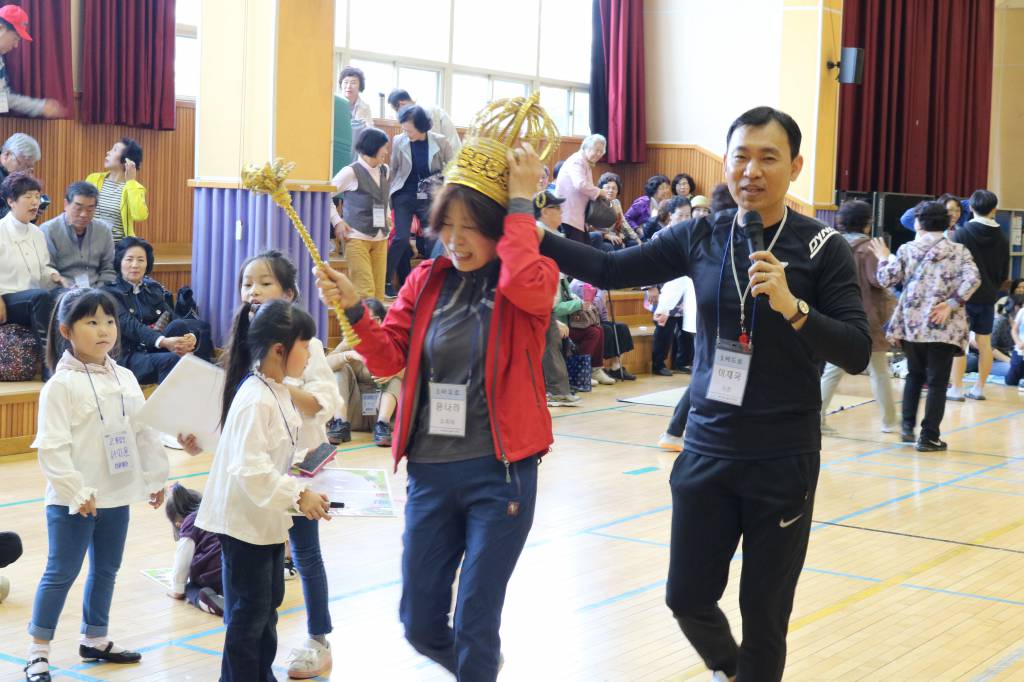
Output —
(42, 68)
(920, 121)
(617, 106)
(128, 63)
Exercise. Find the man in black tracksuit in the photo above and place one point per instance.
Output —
(750, 463)
(990, 249)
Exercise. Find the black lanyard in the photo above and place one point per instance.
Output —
(96, 395)
(287, 427)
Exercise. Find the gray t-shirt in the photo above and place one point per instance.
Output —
(455, 352)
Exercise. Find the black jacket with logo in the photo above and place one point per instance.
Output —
(991, 252)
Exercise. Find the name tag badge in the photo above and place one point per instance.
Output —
(729, 372)
(82, 280)
(421, 196)
(448, 410)
(118, 447)
(378, 217)
(371, 403)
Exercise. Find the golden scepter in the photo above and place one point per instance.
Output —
(269, 179)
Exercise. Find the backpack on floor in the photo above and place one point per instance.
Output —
(20, 354)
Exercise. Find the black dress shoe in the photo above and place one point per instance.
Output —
(91, 653)
(662, 372)
(622, 374)
(37, 677)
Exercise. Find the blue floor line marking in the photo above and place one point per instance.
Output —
(619, 597)
(607, 441)
(199, 649)
(1002, 665)
(970, 595)
(21, 502)
(54, 670)
(627, 519)
(986, 490)
(841, 574)
(643, 470)
(626, 538)
(873, 475)
(913, 468)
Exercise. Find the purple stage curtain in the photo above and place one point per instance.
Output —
(219, 248)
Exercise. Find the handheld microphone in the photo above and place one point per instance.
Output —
(753, 228)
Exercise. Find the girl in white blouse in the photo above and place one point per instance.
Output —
(97, 460)
(250, 498)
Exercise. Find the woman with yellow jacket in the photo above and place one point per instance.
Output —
(122, 201)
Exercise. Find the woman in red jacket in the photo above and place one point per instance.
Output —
(469, 328)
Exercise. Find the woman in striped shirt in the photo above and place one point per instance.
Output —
(122, 201)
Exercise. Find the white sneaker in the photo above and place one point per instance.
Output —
(827, 430)
(602, 377)
(561, 401)
(593, 382)
(290, 572)
(670, 442)
(170, 442)
(5, 588)
(719, 676)
(310, 660)
(575, 398)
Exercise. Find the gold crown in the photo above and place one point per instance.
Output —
(482, 162)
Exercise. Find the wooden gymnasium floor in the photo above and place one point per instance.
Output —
(915, 569)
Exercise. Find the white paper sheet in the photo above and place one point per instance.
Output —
(188, 401)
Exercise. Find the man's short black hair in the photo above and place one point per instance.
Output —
(759, 117)
(983, 202)
(932, 215)
(132, 150)
(853, 216)
(397, 96)
(82, 189)
(351, 71)
(370, 141)
(418, 115)
(6, 25)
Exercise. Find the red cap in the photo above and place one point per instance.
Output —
(16, 17)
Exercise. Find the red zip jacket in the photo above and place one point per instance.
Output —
(514, 381)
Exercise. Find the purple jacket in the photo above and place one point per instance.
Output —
(932, 270)
(639, 212)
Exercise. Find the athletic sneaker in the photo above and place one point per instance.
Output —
(5, 588)
(382, 434)
(211, 602)
(339, 431)
(975, 394)
(827, 430)
(907, 437)
(601, 377)
(954, 395)
(562, 401)
(719, 676)
(290, 572)
(931, 445)
(310, 660)
(170, 442)
(670, 442)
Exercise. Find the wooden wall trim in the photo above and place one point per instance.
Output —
(293, 185)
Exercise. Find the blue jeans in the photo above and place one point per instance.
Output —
(463, 511)
(253, 589)
(70, 537)
(305, 537)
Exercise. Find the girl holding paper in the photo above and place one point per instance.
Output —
(97, 460)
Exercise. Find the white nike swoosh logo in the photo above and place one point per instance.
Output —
(783, 523)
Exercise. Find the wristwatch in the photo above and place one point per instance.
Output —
(802, 311)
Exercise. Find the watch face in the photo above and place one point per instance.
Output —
(803, 307)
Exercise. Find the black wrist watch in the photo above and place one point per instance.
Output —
(802, 311)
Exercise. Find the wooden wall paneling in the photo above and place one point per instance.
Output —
(71, 150)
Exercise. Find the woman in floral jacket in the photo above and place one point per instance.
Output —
(930, 323)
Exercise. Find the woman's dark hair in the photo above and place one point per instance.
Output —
(610, 177)
(132, 150)
(397, 96)
(653, 183)
(128, 242)
(256, 329)
(370, 140)
(853, 216)
(947, 197)
(983, 202)
(418, 115)
(180, 503)
(689, 180)
(354, 72)
(932, 215)
(758, 117)
(377, 308)
(81, 189)
(284, 271)
(71, 307)
(16, 184)
(488, 215)
(721, 198)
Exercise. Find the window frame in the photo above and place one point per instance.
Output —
(191, 32)
(343, 55)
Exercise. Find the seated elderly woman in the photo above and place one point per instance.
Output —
(26, 278)
(152, 340)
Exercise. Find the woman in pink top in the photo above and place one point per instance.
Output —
(576, 185)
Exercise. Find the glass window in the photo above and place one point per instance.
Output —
(565, 32)
(469, 94)
(408, 28)
(581, 112)
(186, 66)
(504, 88)
(380, 78)
(187, 12)
(340, 22)
(421, 84)
(479, 41)
(556, 102)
